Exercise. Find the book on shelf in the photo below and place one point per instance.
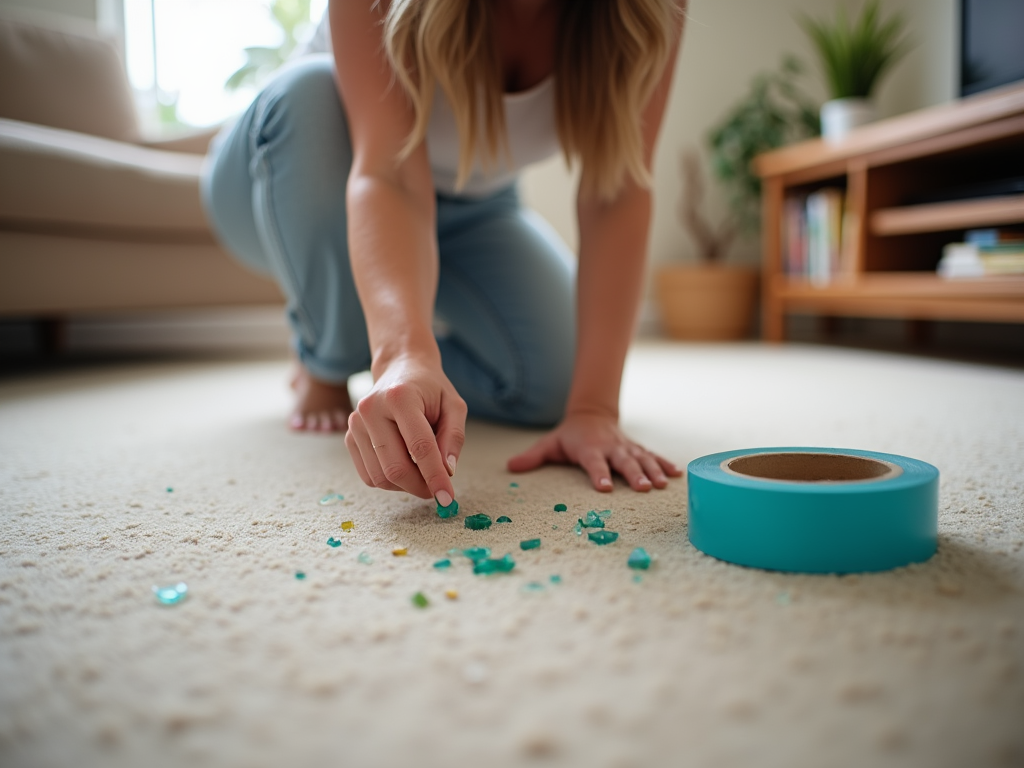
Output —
(817, 235)
(969, 259)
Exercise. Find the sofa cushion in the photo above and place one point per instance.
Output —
(62, 177)
(64, 77)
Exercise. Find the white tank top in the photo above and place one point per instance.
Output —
(529, 121)
(532, 137)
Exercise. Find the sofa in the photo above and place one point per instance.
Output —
(93, 217)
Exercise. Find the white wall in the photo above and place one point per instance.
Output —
(726, 43)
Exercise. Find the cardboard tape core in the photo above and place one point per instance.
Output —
(811, 467)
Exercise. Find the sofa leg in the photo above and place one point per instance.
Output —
(51, 334)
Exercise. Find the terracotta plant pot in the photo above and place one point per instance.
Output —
(707, 302)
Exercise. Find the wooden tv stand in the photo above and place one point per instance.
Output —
(889, 270)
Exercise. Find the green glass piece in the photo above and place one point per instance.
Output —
(556, 579)
(639, 559)
(333, 542)
(478, 522)
(495, 565)
(529, 544)
(592, 520)
(450, 511)
(171, 595)
(420, 600)
(602, 537)
(533, 586)
(331, 498)
(560, 508)
(170, 490)
(300, 575)
(578, 528)
(604, 514)
(504, 519)
(476, 553)
(554, 527)
(513, 485)
(364, 558)
(446, 563)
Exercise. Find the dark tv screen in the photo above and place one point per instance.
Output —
(992, 44)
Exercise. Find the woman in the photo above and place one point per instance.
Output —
(378, 188)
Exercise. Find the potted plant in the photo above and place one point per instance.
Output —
(713, 300)
(854, 56)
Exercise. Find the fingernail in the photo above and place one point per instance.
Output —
(644, 481)
(443, 498)
(451, 463)
(604, 482)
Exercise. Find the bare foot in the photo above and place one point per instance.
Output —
(319, 407)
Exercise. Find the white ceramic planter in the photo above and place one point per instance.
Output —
(840, 116)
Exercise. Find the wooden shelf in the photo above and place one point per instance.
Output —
(892, 250)
(907, 294)
(946, 217)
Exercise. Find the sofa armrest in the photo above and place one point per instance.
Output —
(193, 143)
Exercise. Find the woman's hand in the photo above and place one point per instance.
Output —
(596, 444)
(407, 433)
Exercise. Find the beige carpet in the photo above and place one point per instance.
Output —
(700, 663)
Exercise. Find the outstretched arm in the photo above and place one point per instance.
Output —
(407, 433)
(613, 246)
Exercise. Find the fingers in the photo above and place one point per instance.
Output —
(451, 432)
(431, 471)
(668, 467)
(596, 466)
(364, 456)
(627, 465)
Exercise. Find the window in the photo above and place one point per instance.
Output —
(180, 54)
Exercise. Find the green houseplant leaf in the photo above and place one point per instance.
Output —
(855, 54)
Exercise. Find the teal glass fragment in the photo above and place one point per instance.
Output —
(639, 559)
(604, 514)
(478, 522)
(495, 565)
(533, 586)
(446, 563)
(529, 544)
(364, 558)
(454, 551)
(300, 575)
(602, 537)
(331, 498)
(578, 528)
(450, 511)
(171, 595)
(513, 485)
(476, 553)
(170, 490)
(333, 542)
(554, 527)
(637, 578)
(420, 600)
(560, 508)
(555, 579)
(504, 519)
(592, 520)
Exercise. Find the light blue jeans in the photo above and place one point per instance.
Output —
(274, 191)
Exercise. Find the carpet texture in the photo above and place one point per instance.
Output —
(113, 479)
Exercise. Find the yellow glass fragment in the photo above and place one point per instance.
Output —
(451, 594)
(348, 525)
(400, 551)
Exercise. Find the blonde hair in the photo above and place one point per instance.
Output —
(611, 55)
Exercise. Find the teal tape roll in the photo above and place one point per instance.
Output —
(814, 510)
